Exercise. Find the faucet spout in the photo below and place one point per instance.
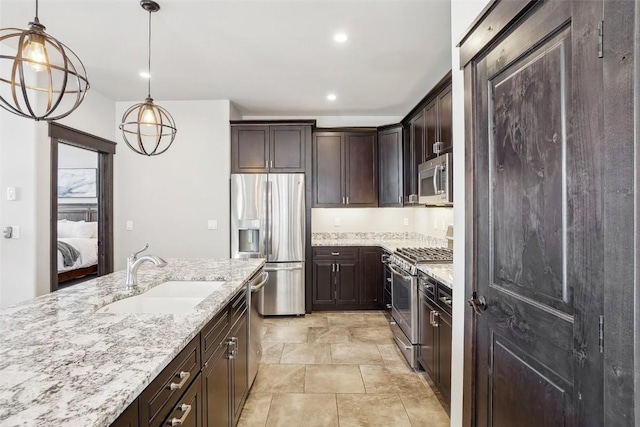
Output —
(133, 263)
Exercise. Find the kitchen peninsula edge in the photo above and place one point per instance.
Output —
(61, 362)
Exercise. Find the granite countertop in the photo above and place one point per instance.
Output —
(62, 363)
(390, 242)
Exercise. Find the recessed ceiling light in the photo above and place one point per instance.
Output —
(340, 37)
(332, 97)
(145, 75)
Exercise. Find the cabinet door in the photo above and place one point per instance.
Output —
(431, 128)
(129, 418)
(287, 149)
(347, 282)
(239, 367)
(390, 166)
(418, 129)
(323, 282)
(328, 170)
(427, 342)
(444, 354)
(445, 120)
(217, 399)
(371, 283)
(410, 183)
(249, 149)
(188, 411)
(361, 169)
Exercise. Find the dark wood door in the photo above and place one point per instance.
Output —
(188, 412)
(410, 181)
(249, 149)
(323, 283)
(431, 128)
(371, 283)
(129, 418)
(347, 282)
(216, 389)
(538, 212)
(427, 343)
(287, 149)
(419, 151)
(328, 170)
(445, 120)
(390, 166)
(240, 366)
(361, 169)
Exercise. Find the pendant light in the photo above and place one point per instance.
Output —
(42, 79)
(147, 128)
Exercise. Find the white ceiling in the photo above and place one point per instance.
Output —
(270, 57)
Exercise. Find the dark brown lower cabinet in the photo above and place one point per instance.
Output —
(434, 345)
(347, 278)
(191, 393)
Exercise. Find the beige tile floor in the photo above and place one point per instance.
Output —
(337, 369)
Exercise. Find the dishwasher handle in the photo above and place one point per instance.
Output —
(264, 279)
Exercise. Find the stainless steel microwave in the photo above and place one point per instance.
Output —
(435, 181)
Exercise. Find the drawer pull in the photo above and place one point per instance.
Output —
(184, 375)
(335, 253)
(178, 421)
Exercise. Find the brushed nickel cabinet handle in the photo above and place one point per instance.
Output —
(179, 421)
(343, 201)
(184, 375)
(347, 199)
(335, 253)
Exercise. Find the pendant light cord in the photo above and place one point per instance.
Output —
(149, 64)
(36, 20)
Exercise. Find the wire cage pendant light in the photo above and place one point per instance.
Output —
(147, 128)
(40, 77)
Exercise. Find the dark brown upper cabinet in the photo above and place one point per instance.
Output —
(345, 169)
(390, 167)
(438, 138)
(268, 148)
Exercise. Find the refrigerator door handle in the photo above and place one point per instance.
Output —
(269, 248)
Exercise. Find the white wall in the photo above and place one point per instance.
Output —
(170, 197)
(433, 221)
(336, 121)
(463, 12)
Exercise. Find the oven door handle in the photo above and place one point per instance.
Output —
(398, 273)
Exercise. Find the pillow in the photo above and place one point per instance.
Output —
(77, 229)
(67, 229)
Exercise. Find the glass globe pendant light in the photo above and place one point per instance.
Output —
(40, 77)
(147, 128)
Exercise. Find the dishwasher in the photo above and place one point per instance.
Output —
(254, 294)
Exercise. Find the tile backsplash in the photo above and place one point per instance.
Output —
(424, 221)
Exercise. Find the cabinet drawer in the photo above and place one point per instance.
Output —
(444, 298)
(214, 333)
(336, 252)
(188, 411)
(158, 399)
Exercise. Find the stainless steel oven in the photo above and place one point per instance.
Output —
(404, 302)
(435, 181)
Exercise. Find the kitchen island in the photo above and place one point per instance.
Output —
(63, 363)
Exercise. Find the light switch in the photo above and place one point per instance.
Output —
(336, 222)
(405, 221)
(11, 193)
(129, 225)
(15, 232)
(212, 224)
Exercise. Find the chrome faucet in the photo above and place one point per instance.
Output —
(133, 263)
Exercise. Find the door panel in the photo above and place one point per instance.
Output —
(248, 215)
(328, 174)
(323, 282)
(250, 149)
(538, 221)
(286, 218)
(371, 276)
(348, 282)
(240, 368)
(390, 165)
(445, 119)
(284, 292)
(287, 149)
(217, 404)
(427, 338)
(361, 169)
(431, 133)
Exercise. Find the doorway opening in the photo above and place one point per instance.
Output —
(81, 244)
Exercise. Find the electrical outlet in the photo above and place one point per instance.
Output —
(336, 222)
(405, 221)
(15, 233)
(129, 225)
(212, 224)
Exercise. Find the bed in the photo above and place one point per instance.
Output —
(77, 242)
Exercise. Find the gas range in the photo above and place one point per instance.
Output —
(408, 259)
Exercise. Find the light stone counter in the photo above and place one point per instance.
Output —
(63, 364)
(390, 242)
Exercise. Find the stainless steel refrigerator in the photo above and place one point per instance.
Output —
(268, 221)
